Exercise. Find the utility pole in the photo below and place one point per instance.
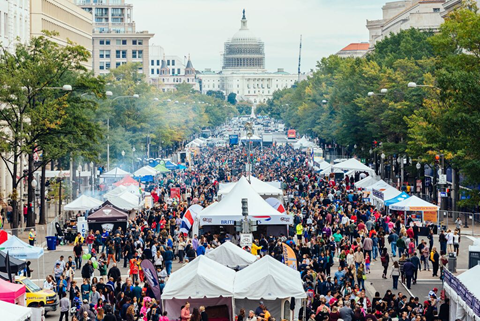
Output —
(245, 222)
(300, 59)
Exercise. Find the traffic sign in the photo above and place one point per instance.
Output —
(246, 240)
(442, 179)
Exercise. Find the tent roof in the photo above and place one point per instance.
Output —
(259, 186)
(116, 172)
(366, 182)
(14, 312)
(413, 203)
(19, 249)
(402, 196)
(353, 164)
(127, 180)
(388, 192)
(229, 208)
(107, 213)
(16, 265)
(303, 143)
(161, 168)
(232, 256)
(170, 165)
(125, 200)
(10, 291)
(268, 279)
(380, 185)
(470, 279)
(145, 171)
(203, 277)
(83, 203)
(254, 137)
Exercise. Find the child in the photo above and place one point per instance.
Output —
(367, 263)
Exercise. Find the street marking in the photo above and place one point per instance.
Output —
(408, 290)
(471, 238)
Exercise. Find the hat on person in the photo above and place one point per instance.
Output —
(261, 302)
(435, 289)
(85, 301)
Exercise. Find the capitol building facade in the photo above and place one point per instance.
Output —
(243, 71)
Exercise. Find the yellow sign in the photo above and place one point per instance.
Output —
(430, 216)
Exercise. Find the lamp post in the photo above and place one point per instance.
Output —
(123, 157)
(383, 92)
(133, 156)
(418, 166)
(383, 165)
(34, 186)
(79, 180)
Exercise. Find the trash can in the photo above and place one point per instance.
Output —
(452, 262)
(51, 243)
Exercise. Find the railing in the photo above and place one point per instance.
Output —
(470, 221)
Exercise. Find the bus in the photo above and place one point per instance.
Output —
(292, 134)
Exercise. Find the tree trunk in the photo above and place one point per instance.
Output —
(42, 196)
(30, 192)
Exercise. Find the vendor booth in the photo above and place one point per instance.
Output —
(108, 217)
(145, 174)
(380, 195)
(421, 212)
(366, 182)
(229, 210)
(464, 293)
(23, 251)
(264, 189)
(232, 256)
(201, 282)
(401, 197)
(272, 282)
(303, 143)
(353, 164)
(126, 201)
(117, 172)
(15, 312)
(127, 180)
(83, 203)
(12, 293)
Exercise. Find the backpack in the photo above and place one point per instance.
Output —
(384, 260)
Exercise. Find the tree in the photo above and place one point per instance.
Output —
(217, 94)
(232, 98)
(37, 118)
(244, 108)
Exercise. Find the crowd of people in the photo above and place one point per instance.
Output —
(336, 236)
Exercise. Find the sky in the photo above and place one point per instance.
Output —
(200, 27)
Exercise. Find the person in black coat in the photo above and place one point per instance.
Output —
(203, 314)
(87, 270)
(114, 272)
(408, 270)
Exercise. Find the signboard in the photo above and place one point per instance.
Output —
(430, 216)
(377, 194)
(260, 219)
(233, 139)
(289, 257)
(419, 185)
(442, 179)
(428, 181)
(246, 240)
(82, 226)
(473, 259)
(175, 192)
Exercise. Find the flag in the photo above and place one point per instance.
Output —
(152, 278)
(7, 265)
(189, 218)
(276, 204)
(175, 192)
(289, 257)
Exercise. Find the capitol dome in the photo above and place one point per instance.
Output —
(244, 50)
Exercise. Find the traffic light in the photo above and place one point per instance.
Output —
(238, 226)
(437, 159)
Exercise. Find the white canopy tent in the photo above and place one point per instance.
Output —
(229, 209)
(262, 188)
(254, 137)
(366, 182)
(23, 251)
(231, 256)
(125, 200)
(381, 195)
(271, 281)
(303, 143)
(83, 203)
(462, 302)
(14, 312)
(354, 165)
(202, 282)
(197, 142)
(381, 184)
(322, 166)
(115, 173)
(145, 171)
(414, 203)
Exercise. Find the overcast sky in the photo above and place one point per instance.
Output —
(200, 27)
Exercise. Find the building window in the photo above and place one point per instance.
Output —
(168, 62)
(137, 54)
(436, 9)
(134, 42)
(158, 62)
(158, 71)
(139, 42)
(121, 42)
(104, 65)
(152, 71)
(178, 71)
(173, 62)
(104, 54)
(121, 54)
(152, 62)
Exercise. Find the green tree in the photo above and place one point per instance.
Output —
(217, 94)
(232, 98)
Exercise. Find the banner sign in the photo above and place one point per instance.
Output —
(377, 194)
(458, 287)
(289, 257)
(175, 192)
(261, 220)
(152, 278)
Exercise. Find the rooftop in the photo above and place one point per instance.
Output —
(362, 46)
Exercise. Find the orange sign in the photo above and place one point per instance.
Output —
(430, 216)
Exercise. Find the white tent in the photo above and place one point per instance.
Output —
(115, 173)
(20, 250)
(462, 303)
(322, 166)
(271, 281)
(413, 203)
(303, 143)
(125, 200)
(354, 165)
(262, 188)
(232, 256)
(83, 203)
(145, 171)
(197, 142)
(115, 192)
(366, 182)
(254, 137)
(229, 209)
(380, 185)
(14, 312)
(201, 282)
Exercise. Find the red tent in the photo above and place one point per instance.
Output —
(3, 236)
(10, 292)
(127, 181)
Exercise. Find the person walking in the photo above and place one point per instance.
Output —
(408, 270)
(64, 307)
(31, 237)
(385, 259)
(418, 266)
(392, 239)
(395, 274)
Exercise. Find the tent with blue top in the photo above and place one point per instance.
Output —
(401, 197)
(170, 165)
(181, 167)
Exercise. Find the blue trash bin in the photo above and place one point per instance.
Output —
(51, 243)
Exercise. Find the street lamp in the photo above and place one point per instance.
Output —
(79, 180)
(382, 156)
(383, 92)
(415, 85)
